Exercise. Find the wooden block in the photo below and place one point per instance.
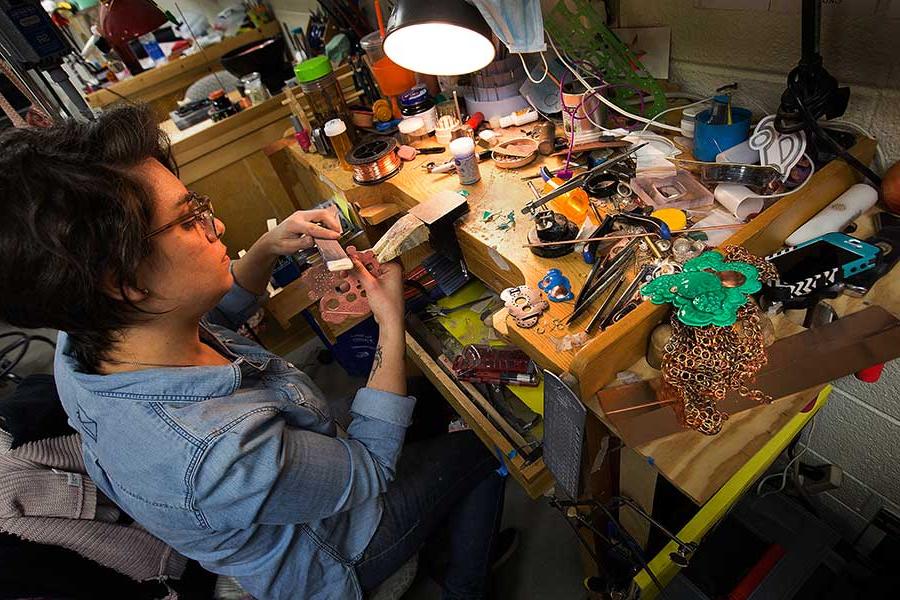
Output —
(439, 206)
(378, 213)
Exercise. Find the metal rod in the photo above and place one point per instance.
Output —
(628, 236)
(639, 406)
(605, 305)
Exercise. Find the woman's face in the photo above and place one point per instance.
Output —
(186, 274)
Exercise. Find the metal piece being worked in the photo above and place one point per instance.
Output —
(525, 305)
(579, 180)
(340, 294)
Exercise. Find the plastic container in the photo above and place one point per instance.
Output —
(254, 88)
(586, 107)
(463, 150)
(520, 117)
(322, 90)
(710, 139)
(417, 103)
(391, 77)
(573, 204)
(412, 130)
(151, 46)
(336, 130)
(681, 190)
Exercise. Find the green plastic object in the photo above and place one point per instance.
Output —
(581, 33)
(312, 69)
(698, 293)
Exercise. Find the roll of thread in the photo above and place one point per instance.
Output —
(463, 150)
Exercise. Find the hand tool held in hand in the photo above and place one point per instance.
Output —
(333, 254)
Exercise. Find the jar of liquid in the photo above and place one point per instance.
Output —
(336, 130)
(322, 90)
(417, 103)
(463, 150)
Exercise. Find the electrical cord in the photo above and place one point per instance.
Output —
(592, 90)
(814, 103)
(22, 343)
(791, 463)
(674, 108)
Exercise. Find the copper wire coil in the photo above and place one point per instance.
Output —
(374, 160)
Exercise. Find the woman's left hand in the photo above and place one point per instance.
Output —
(298, 230)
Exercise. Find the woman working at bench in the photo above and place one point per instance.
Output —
(223, 450)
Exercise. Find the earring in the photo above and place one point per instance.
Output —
(144, 291)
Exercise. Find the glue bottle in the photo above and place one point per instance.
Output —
(336, 131)
(463, 150)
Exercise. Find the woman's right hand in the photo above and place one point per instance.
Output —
(385, 293)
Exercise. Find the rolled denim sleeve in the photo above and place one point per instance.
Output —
(264, 471)
(234, 308)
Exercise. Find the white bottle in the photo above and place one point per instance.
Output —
(520, 117)
(463, 150)
(837, 215)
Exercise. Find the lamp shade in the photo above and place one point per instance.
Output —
(441, 37)
(124, 20)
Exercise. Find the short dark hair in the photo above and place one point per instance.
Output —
(73, 218)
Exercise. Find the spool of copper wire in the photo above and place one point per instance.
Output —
(374, 160)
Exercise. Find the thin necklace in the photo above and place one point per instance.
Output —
(144, 364)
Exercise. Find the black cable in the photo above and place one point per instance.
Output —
(812, 122)
(24, 342)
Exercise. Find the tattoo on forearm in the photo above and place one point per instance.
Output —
(376, 362)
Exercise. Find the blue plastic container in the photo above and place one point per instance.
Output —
(711, 140)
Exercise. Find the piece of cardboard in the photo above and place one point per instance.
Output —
(796, 363)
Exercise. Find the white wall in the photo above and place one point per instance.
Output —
(207, 7)
(860, 427)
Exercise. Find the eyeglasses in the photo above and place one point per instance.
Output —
(201, 211)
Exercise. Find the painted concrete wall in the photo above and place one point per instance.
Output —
(860, 427)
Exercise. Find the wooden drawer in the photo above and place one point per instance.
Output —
(471, 405)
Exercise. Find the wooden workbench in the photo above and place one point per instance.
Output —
(703, 467)
(499, 259)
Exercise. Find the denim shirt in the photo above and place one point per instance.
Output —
(244, 474)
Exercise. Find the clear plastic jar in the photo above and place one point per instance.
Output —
(254, 88)
(322, 90)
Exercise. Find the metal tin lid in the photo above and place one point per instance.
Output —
(414, 96)
(313, 69)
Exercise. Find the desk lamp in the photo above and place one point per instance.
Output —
(449, 37)
(124, 20)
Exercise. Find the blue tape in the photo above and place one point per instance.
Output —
(502, 470)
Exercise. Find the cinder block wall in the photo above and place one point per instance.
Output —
(757, 48)
(860, 427)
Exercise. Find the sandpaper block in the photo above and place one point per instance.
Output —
(333, 255)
